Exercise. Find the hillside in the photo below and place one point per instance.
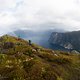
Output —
(20, 60)
(68, 40)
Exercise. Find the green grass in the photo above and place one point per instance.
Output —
(22, 63)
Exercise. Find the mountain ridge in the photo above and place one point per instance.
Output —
(68, 40)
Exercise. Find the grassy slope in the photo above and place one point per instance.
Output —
(32, 62)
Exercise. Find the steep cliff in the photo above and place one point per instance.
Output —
(68, 40)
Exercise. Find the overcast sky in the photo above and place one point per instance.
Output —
(39, 14)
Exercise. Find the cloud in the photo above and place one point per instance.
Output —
(39, 14)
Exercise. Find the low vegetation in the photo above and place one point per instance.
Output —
(21, 60)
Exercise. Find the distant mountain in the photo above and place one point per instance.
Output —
(38, 37)
(67, 40)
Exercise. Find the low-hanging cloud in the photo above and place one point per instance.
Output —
(39, 14)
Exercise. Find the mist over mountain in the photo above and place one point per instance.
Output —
(40, 37)
(52, 39)
(40, 40)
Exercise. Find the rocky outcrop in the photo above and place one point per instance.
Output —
(68, 40)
